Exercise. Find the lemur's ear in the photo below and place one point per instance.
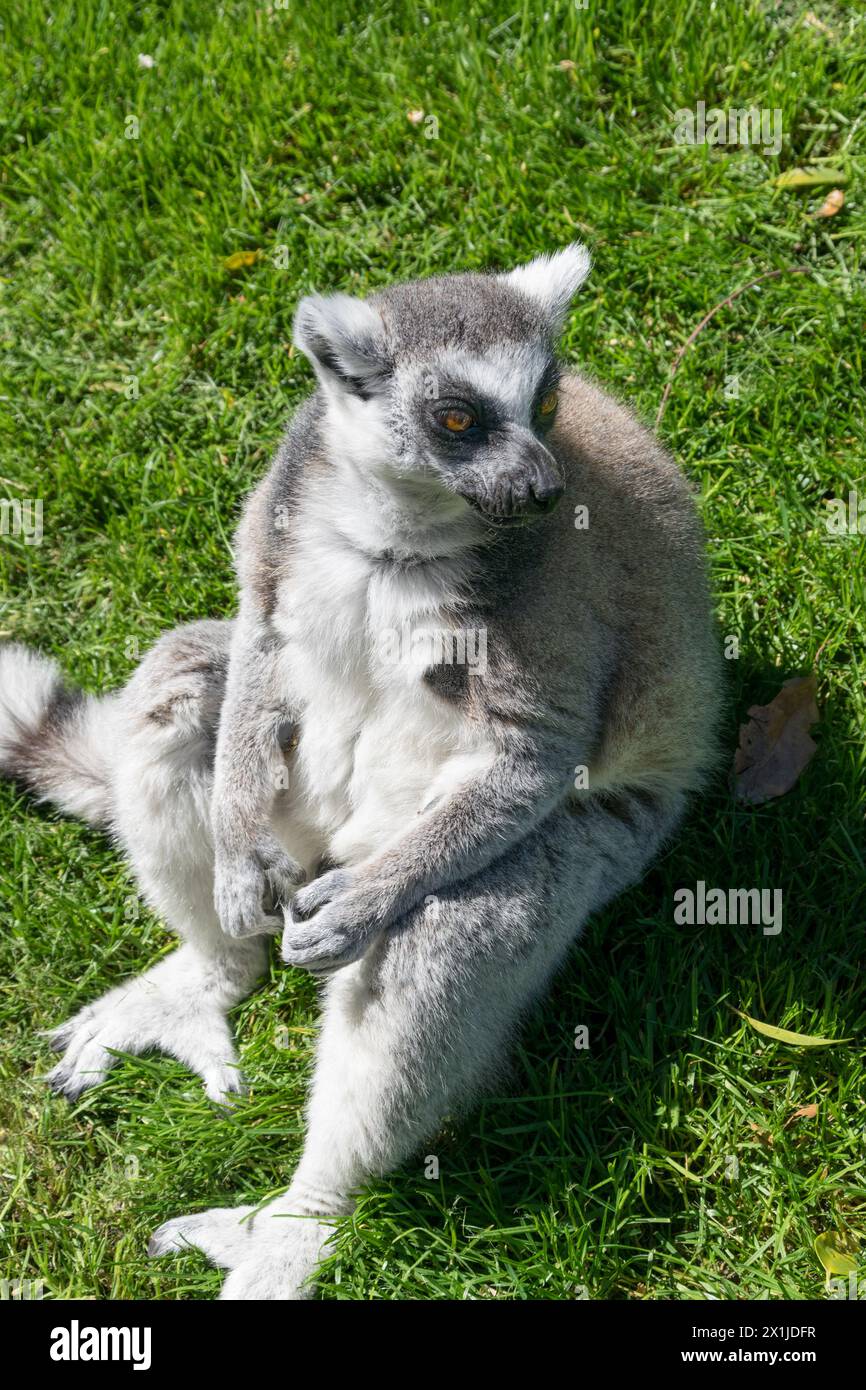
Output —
(552, 281)
(344, 339)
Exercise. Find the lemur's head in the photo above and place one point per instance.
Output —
(449, 385)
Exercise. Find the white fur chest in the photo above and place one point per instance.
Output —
(376, 744)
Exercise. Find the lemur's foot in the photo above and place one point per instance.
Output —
(269, 1256)
(171, 1009)
(224, 1234)
(282, 1275)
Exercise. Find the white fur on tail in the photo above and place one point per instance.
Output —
(49, 735)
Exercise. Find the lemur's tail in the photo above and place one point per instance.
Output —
(49, 735)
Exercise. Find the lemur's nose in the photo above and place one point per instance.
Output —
(543, 497)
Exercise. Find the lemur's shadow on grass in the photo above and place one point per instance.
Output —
(619, 1065)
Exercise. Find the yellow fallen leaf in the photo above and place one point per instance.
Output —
(831, 204)
(836, 1252)
(239, 260)
(769, 1030)
(813, 22)
(810, 178)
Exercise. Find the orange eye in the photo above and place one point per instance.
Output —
(456, 420)
(548, 403)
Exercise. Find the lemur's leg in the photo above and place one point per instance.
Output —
(160, 741)
(414, 1031)
(249, 858)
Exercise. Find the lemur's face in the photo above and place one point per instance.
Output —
(450, 384)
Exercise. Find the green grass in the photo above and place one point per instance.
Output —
(259, 129)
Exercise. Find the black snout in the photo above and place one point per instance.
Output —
(533, 483)
(544, 495)
(514, 480)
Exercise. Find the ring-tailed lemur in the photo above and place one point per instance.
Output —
(447, 494)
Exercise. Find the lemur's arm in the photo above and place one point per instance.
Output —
(335, 918)
(252, 871)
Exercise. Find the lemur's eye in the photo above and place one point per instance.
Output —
(456, 420)
(548, 403)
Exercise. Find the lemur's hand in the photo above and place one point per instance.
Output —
(251, 885)
(331, 923)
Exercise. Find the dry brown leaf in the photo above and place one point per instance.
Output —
(567, 65)
(832, 203)
(805, 1112)
(775, 745)
(763, 1136)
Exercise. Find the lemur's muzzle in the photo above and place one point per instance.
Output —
(515, 480)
